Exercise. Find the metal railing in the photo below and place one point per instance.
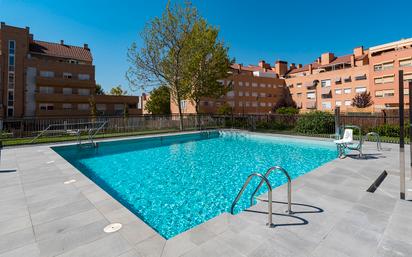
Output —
(91, 135)
(268, 172)
(249, 178)
(377, 138)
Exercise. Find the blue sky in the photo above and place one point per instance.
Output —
(297, 31)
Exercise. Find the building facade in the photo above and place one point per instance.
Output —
(39, 79)
(328, 82)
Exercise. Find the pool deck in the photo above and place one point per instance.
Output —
(40, 215)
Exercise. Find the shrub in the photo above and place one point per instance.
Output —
(389, 130)
(317, 122)
(287, 110)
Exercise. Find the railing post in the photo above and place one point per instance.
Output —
(401, 137)
(337, 122)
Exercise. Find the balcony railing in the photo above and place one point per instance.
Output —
(64, 82)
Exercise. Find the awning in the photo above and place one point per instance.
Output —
(338, 79)
(347, 78)
(326, 90)
(311, 105)
(308, 84)
(360, 77)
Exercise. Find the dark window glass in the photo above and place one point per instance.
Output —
(9, 112)
(11, 60)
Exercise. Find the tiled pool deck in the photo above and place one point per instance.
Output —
(335, 216)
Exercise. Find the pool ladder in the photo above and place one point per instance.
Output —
(264, 179)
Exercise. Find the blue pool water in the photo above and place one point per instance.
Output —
(174, 183)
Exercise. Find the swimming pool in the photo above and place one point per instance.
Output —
(176, 182)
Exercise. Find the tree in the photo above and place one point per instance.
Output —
(285, 101)
(208, 61)
(159, 101)
(225, 109)
(117, 90)
(161, 59)
(99, 90)
(362, 100)
(93, 108)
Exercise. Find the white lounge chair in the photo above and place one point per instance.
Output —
(341, 144)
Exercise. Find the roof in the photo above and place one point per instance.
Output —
(237, 66)
(338, 60)
(304, 68)
(61, 50)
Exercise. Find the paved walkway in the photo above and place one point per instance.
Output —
(40, 215)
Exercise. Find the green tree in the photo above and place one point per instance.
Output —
(159, 101)
(161, 59)
(118, 90)
(225, 109)
(93, 108)
(99, 90)
(207, 62)
(362, 100)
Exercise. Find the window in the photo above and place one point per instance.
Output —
(262, 85)
(270, 104)
(311, 95)
(240, 84)
(246, 84)
(83, 91)
(407, 77)
(388, 93)
(254, 104)
(360, 89)
(263, 104)
(298, 84)
(83, 107)
(12, 46)
(11, 60)
(67, 91)
(254, 94)
(46, 107)
(230, 94)
(73, 61)
(46, 74)
(377, 67)
(405, 62)
(101, 107)
(10, 112)
(182, 104)
(325, 83)
(247, 94)
(388, 79)
(348, 102)
(11, 80)
(254, 84)
(347, 79)
(379, 93)
(84, 76)
(347, 90)
(46, 90)
(247, 104)
(378, 80)
(338, 91)
(262, 94)
(299, 95)
(338, 103)
(240, 93)
(67, 106)
(387, 66)
(67, 75)
(326, 105)
(240, 103)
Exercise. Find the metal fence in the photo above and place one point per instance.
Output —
(32, 127)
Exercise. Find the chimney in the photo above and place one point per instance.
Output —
(327, 58)
(62, 42)
(310, 68)
(2, 24)
(262, 64)
(299, 65)
(358, 51)
(240, 67)
(281, 67)
(352, 60)
(292, 66)
(318, 60)
(27, 28)
(86, 46)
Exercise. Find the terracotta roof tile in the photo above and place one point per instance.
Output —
(304, 68)
(59, 50)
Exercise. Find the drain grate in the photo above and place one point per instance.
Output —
(112, 227)
(377, 182)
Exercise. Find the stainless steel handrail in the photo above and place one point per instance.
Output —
(377, 137)
(263, 178)
(270, 170)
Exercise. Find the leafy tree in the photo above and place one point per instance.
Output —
(93, 108)
(162, 58)
(287, 110)
(159, 101)
(362, 100)
(118, 90)
(225, 109)
(99, 90)
(208, 61)
(285, 101)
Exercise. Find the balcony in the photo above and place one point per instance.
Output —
(361, 77)
(61, 98)
(64, 82)
(311, 104)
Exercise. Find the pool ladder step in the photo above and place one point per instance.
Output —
(265, 179)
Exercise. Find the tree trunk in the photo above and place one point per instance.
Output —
(180, 112)
(197, 114)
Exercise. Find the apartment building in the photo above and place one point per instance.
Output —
(385, 62)
(39, 79)
(330, 81)
(253, 89)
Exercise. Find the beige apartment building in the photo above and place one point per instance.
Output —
(45, 79)
(253, 89)
(328, 82)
